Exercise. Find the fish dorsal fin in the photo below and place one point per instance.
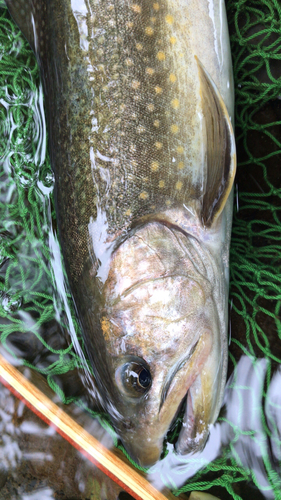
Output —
(27, 15)
(220, 150)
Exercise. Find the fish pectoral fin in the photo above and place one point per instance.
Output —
(220, 150)
(26, 14)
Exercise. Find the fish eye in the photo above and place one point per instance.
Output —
(134, 378)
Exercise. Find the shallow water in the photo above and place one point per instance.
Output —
(35, 461)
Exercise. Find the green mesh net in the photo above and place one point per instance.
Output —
(33, 309)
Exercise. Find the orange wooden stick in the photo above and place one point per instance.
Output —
(122, 473)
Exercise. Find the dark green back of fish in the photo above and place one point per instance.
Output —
(117, 127)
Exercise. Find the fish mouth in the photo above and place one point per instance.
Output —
(202, 405)
(185, 433)
(176, 424)
(194, 431)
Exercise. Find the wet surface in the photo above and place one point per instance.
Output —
(36, 463)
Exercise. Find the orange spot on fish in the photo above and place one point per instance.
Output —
(154, 166)
(169, 19)
(158, 90)
(175, 103)
(161, 56)
(136, 8)
(135, 84)
(174, 129)
(143, 195)
(149, 31)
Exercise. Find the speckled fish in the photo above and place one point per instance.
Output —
(138, 96)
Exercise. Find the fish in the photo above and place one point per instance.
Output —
(139, 106)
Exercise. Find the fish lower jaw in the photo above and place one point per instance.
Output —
(194, 431)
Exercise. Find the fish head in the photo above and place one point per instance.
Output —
(162, 338)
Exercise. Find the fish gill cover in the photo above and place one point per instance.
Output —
(35, 315)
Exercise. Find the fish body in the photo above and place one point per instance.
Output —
(138, 97)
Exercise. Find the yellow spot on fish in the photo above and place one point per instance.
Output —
(175, 103)
(180, 149)
(174, 129)
(181, 54)
(153, 19)
(158, 145)
(143, 195)
(149, 31)
(117, 121)
(129, 62)
(138, 46)
(154, 166)
(156, 6)
(136, 8)
(180, 165)
(135, 84)
(172, 78)
(169, 19)
(105, 326)
(161, 56)
(111, 7)
(161, 184)
(156, 123)
(150, 107)
(128, 213)
(149, 71)
(140, 129)
(158, 90)
(129, 24)
(173, 40)
(179, 185)
(168, 202)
